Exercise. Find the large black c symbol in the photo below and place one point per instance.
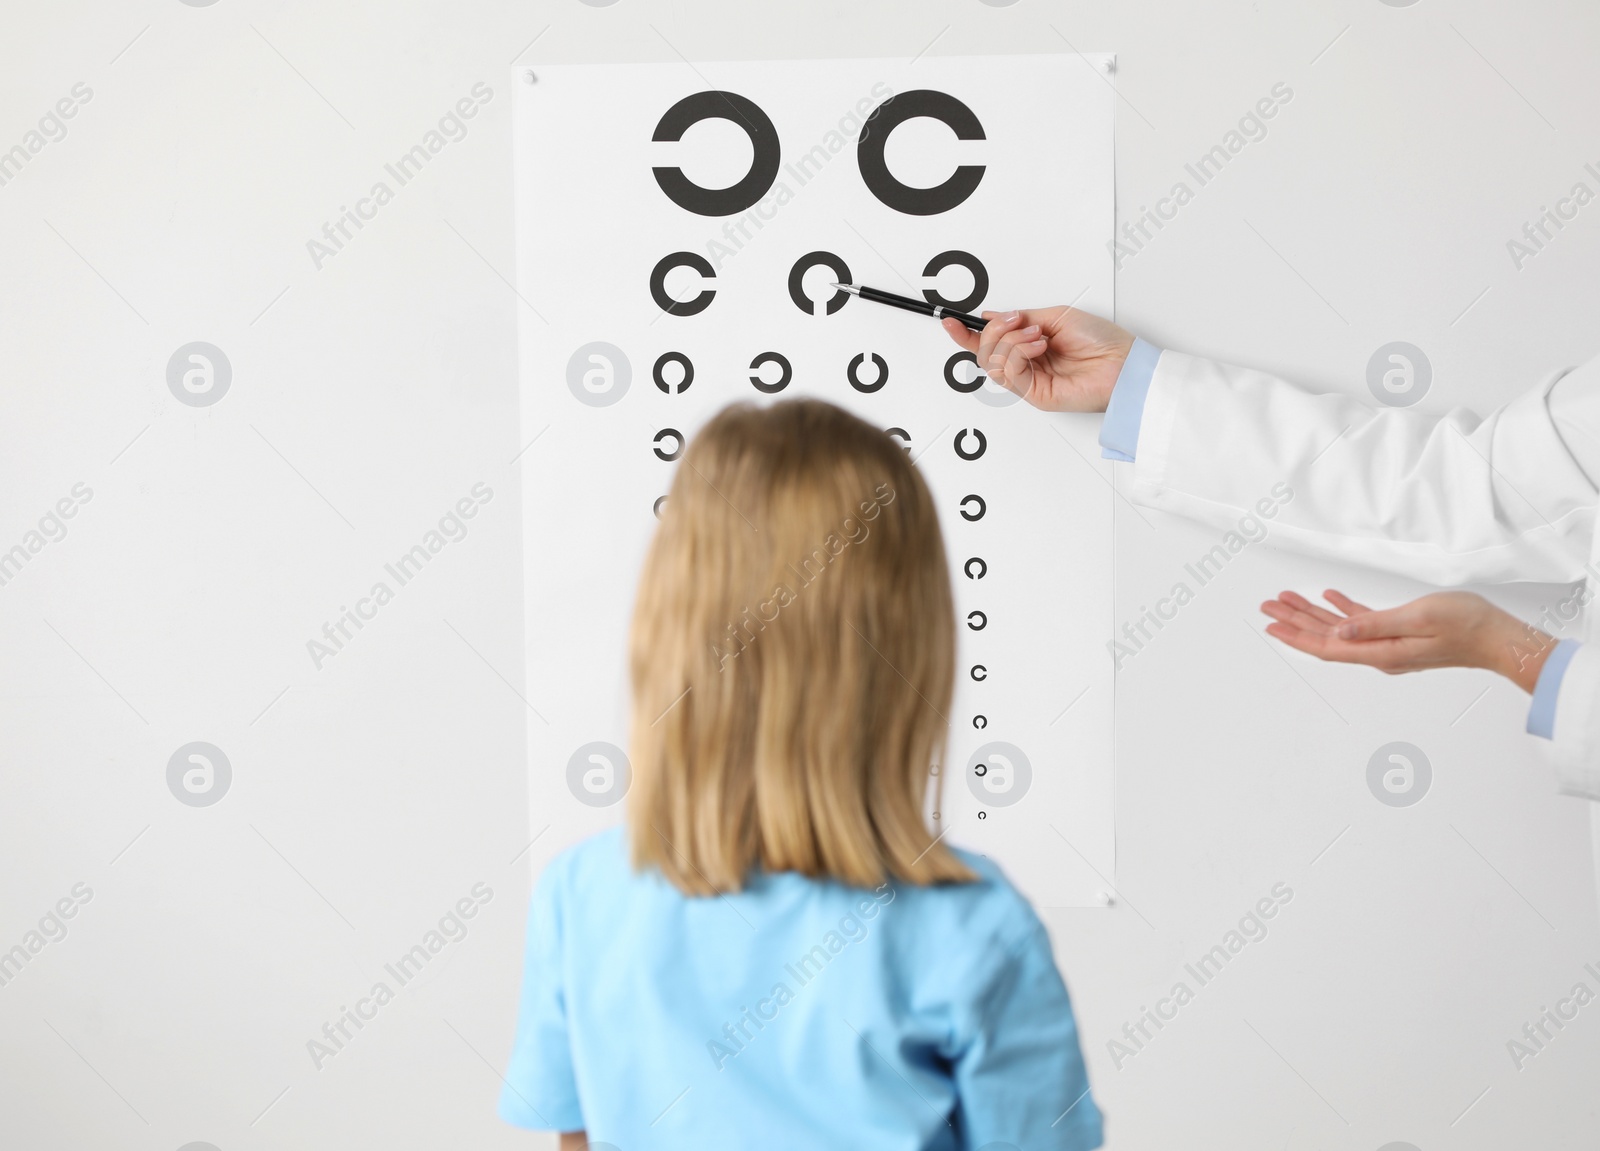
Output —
(888, 116)
(764, 162)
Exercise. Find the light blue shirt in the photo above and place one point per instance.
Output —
(1119, 431)
(1119, 440)
(798, 1013)
(1542, 711)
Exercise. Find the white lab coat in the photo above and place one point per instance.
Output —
(1445, 499)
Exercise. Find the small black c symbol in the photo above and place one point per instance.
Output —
(976, 668)
(950, 373)
(973, 516)
(983, 443)
(977, 621)
(657, 507)
(669, 434)
(841, 275)
(660, 374)
(878, 362)
(980, 279)
(658, 283)
(899, 434)
(983, 568)
(771, 358)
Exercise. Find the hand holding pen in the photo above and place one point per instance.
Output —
(1058, 359)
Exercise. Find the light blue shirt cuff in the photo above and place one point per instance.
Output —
(1542, 711)
(1119, 432)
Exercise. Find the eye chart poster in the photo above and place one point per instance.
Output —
(678, 227)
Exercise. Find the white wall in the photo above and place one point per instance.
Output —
(367, 397)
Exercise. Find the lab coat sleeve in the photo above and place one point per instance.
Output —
(1446, 499)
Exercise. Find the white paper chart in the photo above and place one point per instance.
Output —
(678, 227)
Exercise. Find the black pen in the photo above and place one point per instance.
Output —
(937, 311)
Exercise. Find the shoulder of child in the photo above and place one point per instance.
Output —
(992, 908)
(591, 863)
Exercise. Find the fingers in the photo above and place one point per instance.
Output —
(999, 326)
(1395, 623)
(1386, 655)
(1318, 642)
(1292, 616)
(1393, 641)
(961, 334)
(992, 346)
(1344, 603)
(1004, 350)
(1016, 372)
(1300, 603)
(1297, 639)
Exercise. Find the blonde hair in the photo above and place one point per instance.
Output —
(792, 658)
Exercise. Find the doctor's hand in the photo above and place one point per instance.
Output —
(1058, 359)
(1446, 629)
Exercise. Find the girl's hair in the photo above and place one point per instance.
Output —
(792, 658)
